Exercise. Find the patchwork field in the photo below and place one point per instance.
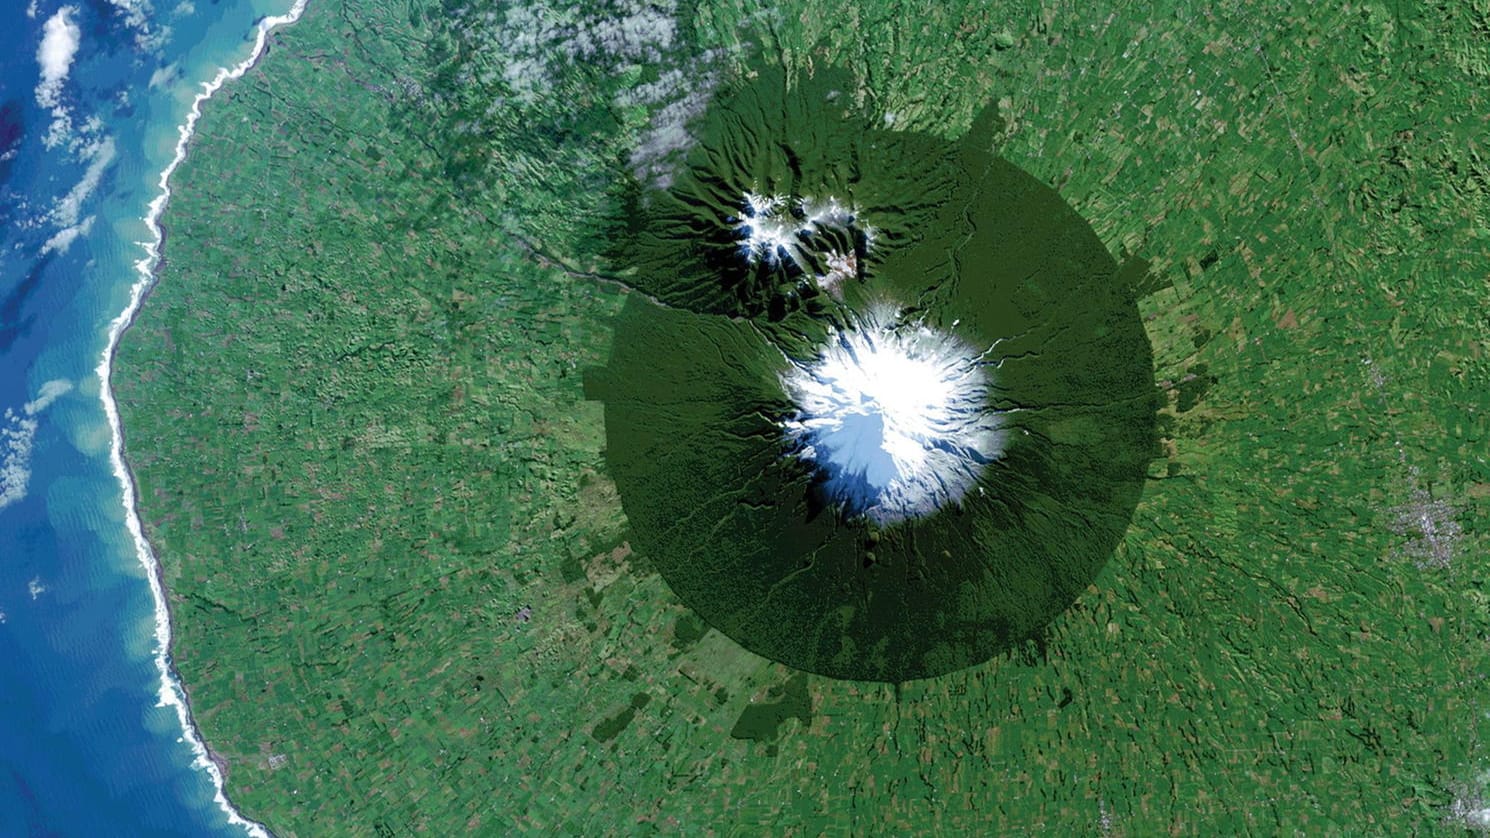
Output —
(405, 592)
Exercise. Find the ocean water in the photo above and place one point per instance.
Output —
(92, 97)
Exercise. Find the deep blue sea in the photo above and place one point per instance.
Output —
(91, 94)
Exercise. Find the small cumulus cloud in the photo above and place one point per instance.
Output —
(164, 75)
(537, 40)
(136, 12)
(63, 239)
(99, 154)
(1470, 810)
(534, 45)
(136, 15)
(683, 94)
(66, 215)
(17, 434)
(631, 31)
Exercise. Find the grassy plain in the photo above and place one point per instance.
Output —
(404, 594)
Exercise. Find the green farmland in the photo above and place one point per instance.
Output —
(407, 598)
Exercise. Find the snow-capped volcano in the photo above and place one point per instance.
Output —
(895, 414)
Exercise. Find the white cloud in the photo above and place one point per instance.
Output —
(60, 129)
(164, 75)
(637, 31)
(69, 208)
(136, 12)
(137, 15)
(15, 457)
(537, 39)
(60, 41)
(660, 147)
(17, 433)
(59, 45)
(63, 239)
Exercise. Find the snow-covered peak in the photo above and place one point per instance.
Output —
(896, 415)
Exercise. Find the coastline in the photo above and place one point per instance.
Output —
(172, 693)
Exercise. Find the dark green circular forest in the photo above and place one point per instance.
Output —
(956, 239)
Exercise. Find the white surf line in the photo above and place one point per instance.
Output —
(172, 694)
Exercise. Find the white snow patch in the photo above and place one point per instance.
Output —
(779, 234)
(768, 231)
(895, 414)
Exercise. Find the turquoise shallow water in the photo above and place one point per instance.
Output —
(86, 748)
